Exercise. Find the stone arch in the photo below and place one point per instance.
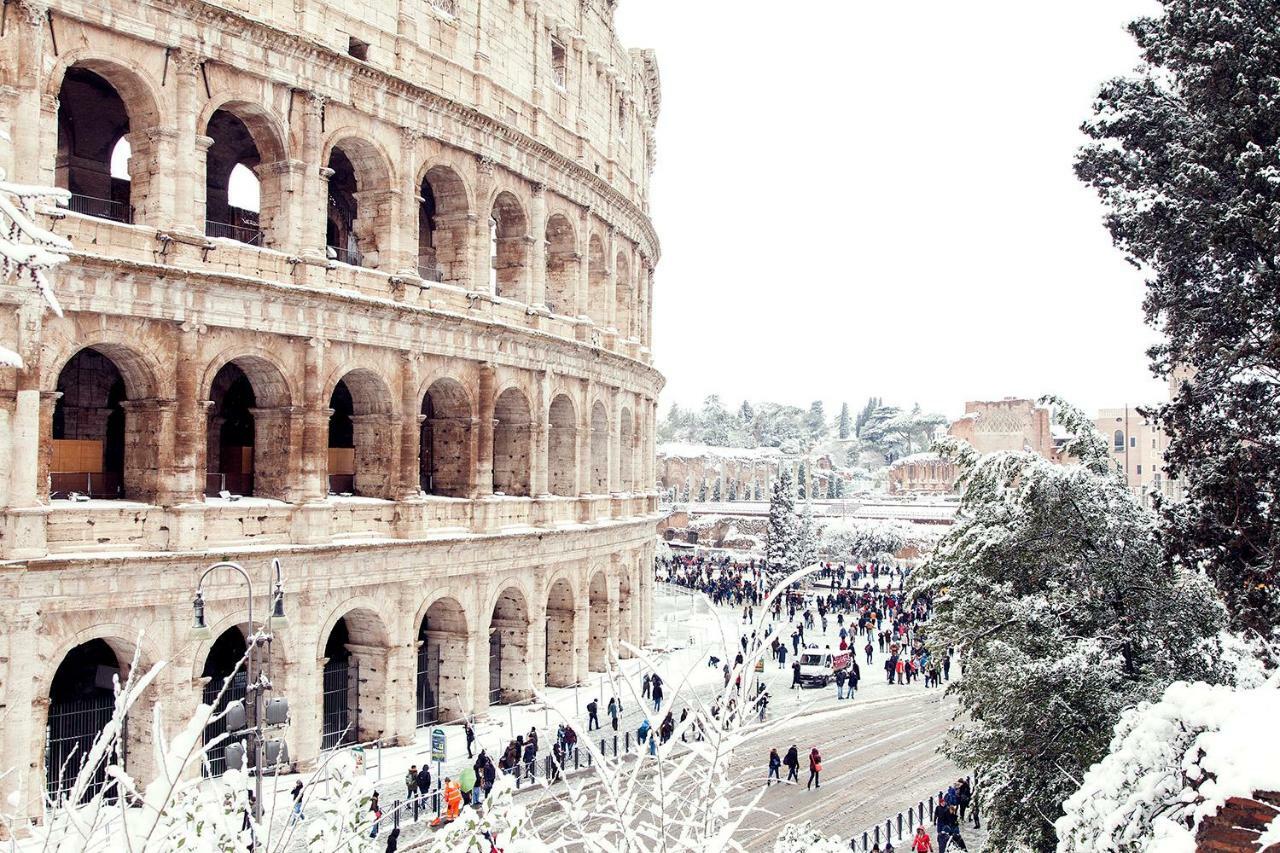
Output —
(362, 435)
(358, 209)
(99, 425)
(562, 447)
(598, 622)
(261, 415)
(81, 701)
(444, 642)
(353, 695)
(445, 446)
(513, 420)
(598, 295)
(624, 296)
(245, 134)
(222, 680)
(561, 647)
(599, 449)
(444, 225)
(509, 246)
(562, 265)
(508, 630)
(626, 451)
(101, 101)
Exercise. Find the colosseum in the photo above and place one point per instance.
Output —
(365, 286)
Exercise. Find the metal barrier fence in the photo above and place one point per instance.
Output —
(904, 825)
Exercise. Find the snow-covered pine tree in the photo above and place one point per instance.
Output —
(28, 250)
(802, 478)
(702, 492)
(1051, 585)
(815, 421)
(1184, 156)
(715, 491)
(843, 425)
(733, 490)
(780, 535)
(806, 538)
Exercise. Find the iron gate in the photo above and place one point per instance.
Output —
(217, 754)
(341, 698)
(428, 683)
(69, 736)
(495, 667)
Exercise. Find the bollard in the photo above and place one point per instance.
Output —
(888, 831)
(615, 746)
(920, 806)
(864, 843)
(877, 835)
(931, 804)
(911, 813)
(602, 748)
(628, 735)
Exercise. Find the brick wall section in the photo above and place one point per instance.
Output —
(1238, 824)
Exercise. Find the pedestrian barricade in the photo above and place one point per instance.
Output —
(903, 827)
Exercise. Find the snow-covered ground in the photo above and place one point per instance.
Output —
(687, 631)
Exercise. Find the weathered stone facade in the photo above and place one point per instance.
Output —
(441, 307)
(699, 473)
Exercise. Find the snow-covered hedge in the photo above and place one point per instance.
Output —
(869, 539)
(1173, 763)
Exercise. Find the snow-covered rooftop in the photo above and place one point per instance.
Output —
(681, 450)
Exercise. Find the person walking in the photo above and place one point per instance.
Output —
(775, 764)
(855, 675)
(411, 783)
(795, 674)
(815, 767)
(471, 736)
(375, 815)
(867, 649)
(297, 814)
(424, 782)
(593, 720)
(644, 686)
(921, 842)
(840, 677)
(613, 713)
(657, 694)
(792, 763)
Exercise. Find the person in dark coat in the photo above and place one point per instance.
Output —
(792, 762)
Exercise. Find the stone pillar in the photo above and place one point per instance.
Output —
(484, 433)
(584, 266)
(403, 257)
(190, 421)
(312, 217)
(26, 125)
(611, 276)
(377, 440)
(615, 441)
(584, 440)
(537, 281)
(282, 190)
(314, 485)
(151, 187)
(539, 485)
(482, 265)
(278, 436)
(24, 484)
(411, 417)
(581, 642)
(648, 320)
(188, 169)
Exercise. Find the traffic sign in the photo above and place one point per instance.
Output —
(437, 745)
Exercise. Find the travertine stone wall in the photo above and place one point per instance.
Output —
(434, 176)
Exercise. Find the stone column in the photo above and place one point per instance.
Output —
(584, 266)
(403, 258)
(538, 485)
(611, 276)
(312, 217)
(151, 192)
(377, 440)
(484, 438)
(276, 457)
(26, 124)
(537, 281)
(315, 430)
(188, 169)
(411, 418)
(581, 642)
(648, 320)
(482, 264)
(189, 426)
(615, 440)
(24, 485)
(584, 440)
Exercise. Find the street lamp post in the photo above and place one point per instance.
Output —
(256, 680)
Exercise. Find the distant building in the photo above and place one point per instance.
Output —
(1138, 447)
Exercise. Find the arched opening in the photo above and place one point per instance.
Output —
(340, 233)
(623, 296)
(561, 648)
(231, 434)
(357, 210)
(562, 447)
(598, 294)
(442, 663)
(223, 667)
(562, 266)
(509, 241)
(89, 424)
(511, 446)
(353, 693)
(443, 227)
(232, 188)
(444, 461)
(361, 436)
(599, 449)
(598, 624)
(92, 124)
(626, 452)
(509, 649)
(81, 703)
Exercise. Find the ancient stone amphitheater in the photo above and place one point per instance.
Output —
(363, 285)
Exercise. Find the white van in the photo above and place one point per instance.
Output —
(818, 667)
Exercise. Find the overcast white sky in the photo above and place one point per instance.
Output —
(860, 198)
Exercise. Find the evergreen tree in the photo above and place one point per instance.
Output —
(815, 421)
(837, 487)
(746, 414)
(733, 490)
(702, 492)
(1184, 156)
(806, 538)
(758, 494)
(873, 403)
(801, 482)
(1050, 581)
(842, 426)
(781, 533)
(715, 491)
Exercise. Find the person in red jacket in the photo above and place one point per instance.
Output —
(921, 843)
(815, 767)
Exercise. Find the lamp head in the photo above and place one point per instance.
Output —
(199, 630)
